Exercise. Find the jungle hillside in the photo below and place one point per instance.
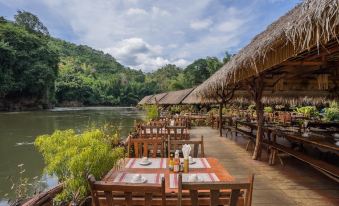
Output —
(38, 71)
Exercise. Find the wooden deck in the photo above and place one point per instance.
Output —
(294, 184)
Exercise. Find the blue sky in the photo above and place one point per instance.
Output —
(147, 34)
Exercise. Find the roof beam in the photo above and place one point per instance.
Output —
(323, 52)
(302, 63)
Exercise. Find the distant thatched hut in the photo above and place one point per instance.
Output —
(156, 98)
(175, 97)
(145, 100)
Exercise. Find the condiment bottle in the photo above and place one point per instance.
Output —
(186, 165)
(171, 163)
(176, 154)
(182, 167)
(176, 161)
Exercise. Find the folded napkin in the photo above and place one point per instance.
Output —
(186, 150)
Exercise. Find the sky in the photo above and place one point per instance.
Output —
(148, 34)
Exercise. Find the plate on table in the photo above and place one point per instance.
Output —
(139, 181)
(145, 163)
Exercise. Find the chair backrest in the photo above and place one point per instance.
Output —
(147, 131)
(180, 121)
(173, 145)
(112, 194)
(221, 193)
(145, 147)
(177, 132)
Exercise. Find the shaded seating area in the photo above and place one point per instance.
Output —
(163, 187)
(157, 138)
(293, 62)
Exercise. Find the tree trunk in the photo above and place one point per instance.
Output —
(260, 130)
(255, 88)
(220, 119)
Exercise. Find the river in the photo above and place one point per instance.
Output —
(19, 129)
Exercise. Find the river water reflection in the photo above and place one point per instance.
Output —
(19, 129)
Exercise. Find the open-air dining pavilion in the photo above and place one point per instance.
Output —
(295, 61)
(258, 156)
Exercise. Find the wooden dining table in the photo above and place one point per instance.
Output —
(215, 168)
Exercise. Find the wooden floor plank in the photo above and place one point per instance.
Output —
(294, 184)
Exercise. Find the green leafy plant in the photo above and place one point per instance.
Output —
(268, 109)
(71, 157)
(175, 109)
(152, 112)
(23, 187)
(331, 113)
(308, 111)
(251, 107)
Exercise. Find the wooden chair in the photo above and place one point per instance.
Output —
(112, 194)
(146, 147)
(173, 145)
(177, 132)
(155, 132)
(220, 193)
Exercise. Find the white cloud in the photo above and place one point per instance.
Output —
(181, 62)
(159, 12)
(136, 11)
(172, 46)
(202, 24)
(136, 53)
(231, 25)
(147, 34)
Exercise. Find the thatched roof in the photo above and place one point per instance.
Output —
(313, 23)
(145, 100)
(176, 97)
(156, 98)
(193, 98)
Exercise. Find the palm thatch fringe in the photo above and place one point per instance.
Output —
(311, 23)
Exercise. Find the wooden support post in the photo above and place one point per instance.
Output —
(220, 119)
(260, 130)
(255, 88)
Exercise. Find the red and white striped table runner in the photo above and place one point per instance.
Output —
(152, 178)
(205, 177)
(200, 163)
(156, 163)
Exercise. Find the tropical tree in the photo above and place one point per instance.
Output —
(30, 22)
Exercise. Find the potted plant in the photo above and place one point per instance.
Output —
(331, 113)
(308, 111)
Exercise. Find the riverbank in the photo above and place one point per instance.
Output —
(19, 130)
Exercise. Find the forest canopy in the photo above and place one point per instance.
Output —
(39, 71)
